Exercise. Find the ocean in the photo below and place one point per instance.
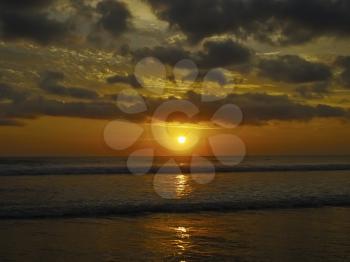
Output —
(93, 209)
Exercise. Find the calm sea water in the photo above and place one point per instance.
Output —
(91, 209)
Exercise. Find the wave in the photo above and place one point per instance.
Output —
(95, 170)
(170, 207)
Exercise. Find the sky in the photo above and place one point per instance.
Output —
(69, 68)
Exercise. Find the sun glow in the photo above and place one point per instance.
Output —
(181, 140)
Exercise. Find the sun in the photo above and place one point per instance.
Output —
(181, 139)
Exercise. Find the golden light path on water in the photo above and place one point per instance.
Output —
(182, 185)
(182, 241)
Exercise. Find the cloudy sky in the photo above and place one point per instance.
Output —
(64, 64)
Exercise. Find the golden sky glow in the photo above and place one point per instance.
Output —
(60, 88)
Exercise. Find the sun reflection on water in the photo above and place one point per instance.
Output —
(173, 186)
(182, 185)
(182, 241)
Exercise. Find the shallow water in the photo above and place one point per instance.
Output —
(266, 215)
(321, 234)
(100, 195)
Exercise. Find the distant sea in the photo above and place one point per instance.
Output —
(93, 209)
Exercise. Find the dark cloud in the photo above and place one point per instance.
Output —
(294, 69)
(314, 90)
(50, 82)
(115, 16)
(260, 108)
(12, 93)
(223, 53)
(124, 79)
(34, 20)
(345, 78)
(217, 76)
(124, 50)
(29, 20)
(344, 63)
(20, 4)
(169, 55)
(256, 108)
(32, 26)
(37, 106)
(274, 21)
(220, 53)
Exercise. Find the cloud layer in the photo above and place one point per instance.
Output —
(275, 87)
(257, 108)
(294, 69)
(273, 21)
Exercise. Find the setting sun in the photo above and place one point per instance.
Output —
(181, 139)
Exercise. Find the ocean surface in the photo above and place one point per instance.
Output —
(94, 209)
